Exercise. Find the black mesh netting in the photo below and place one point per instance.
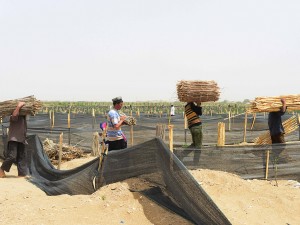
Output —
(152, 160)
(247, 161)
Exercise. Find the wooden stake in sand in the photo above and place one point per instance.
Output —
(267, 164)
(131, 134)
(253, 121)
(94, 118)
(245, 127)
(95, 145)
(221, 134)
(171, 137)
(60, 150)
(69, 129)
(185, 128)
(160, 131)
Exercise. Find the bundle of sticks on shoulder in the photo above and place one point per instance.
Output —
(197, 91)
(31, 107)
(273, 104)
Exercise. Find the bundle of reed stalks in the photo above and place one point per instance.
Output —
(273, 104)
(289, 126)
(68, 152)
(31, 107)
(197, 91)
(130, 120)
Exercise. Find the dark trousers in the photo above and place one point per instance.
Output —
(15, 154)
(117, 145)
(279, 138)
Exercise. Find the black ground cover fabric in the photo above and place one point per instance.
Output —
(151, 160)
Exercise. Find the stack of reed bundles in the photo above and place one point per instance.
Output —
(31, 107)
(289, 125)
(197, 91)
(273, 104)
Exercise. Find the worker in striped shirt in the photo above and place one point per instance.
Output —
(193, 112)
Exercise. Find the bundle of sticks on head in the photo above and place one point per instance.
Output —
(197, 91)
(273, 104)
(31, 107)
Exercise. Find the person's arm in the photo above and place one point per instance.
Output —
(16, 112)
(120, 123)
(283, 107)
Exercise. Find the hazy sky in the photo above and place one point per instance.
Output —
(94, 50)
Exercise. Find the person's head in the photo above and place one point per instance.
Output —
(117, 102)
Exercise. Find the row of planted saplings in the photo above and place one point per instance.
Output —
(145, 108)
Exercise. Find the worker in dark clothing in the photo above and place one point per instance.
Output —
(16, 143)
(279, 153)
(193, 113)
(275, 124)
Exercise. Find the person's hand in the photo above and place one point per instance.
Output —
(282, 100)
(122, 118)
(198, 103)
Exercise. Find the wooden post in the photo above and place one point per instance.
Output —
(157, 130)
(229, 120)
(94, 119)
(171, 137)
(267, 164)
(185, 128)
(69, 129)
(95, 145)
(298, 121)
(52, 120)
(160, 131)
(221, 134)
(245, 127)
(131, 134)
(253, 120)
(60, 150)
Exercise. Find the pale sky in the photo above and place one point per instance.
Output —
(94, 50)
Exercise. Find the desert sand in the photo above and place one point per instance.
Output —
(242, 201)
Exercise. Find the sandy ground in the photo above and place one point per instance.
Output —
(242, 201)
